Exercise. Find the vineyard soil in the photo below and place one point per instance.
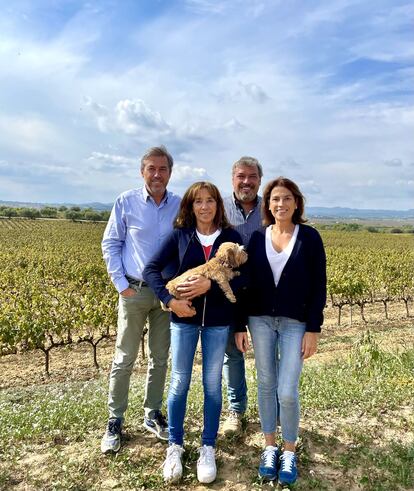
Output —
(330, 448)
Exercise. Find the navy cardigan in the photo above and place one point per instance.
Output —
(181, 251)
(301, 291)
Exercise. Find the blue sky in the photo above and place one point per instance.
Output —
(318, 91)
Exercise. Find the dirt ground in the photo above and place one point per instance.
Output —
(236, 462)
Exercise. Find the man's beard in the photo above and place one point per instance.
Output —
(246, 195)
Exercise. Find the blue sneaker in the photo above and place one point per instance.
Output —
(288, 471)
(111, 441)
(268, 463)
(157, 425)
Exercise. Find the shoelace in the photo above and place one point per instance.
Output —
(286, 461)
(206, 455)
(269, 458)
(174, 453)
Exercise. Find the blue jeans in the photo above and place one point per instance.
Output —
(277, 344)
(184, 338)
(235, 376)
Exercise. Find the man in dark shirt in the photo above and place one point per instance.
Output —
(243, 211)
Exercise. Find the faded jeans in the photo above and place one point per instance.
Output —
(235, 376)
(132, 315)
(277, 344)
(184, 338)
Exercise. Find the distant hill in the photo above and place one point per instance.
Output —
(320, 212)
(355, 213)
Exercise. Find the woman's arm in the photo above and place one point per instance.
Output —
(167, 255)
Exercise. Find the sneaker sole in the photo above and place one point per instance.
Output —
(172, 480)
(153, 430)
(110, 450)
(206, 481)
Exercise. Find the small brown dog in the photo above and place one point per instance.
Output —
(220, 269)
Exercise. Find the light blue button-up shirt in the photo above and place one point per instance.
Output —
(135, 230)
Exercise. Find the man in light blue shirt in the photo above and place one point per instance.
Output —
(244, 213)
(140, 220)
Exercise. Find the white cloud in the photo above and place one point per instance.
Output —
(188, 174)
(135, 117)
(107, 162)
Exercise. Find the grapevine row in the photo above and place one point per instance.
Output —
(54, 289)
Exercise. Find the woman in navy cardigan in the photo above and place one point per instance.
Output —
(284, 303)
(199, 229)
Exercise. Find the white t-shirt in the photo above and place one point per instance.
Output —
(278, 260)
(207, 242)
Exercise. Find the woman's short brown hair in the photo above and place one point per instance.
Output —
(186, 217)
(267, 217)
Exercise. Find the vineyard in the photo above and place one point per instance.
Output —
(54, 289)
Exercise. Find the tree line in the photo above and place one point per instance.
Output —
(73, 213)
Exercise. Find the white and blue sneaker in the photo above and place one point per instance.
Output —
(111, 441)
(157, 425)
(268, 463)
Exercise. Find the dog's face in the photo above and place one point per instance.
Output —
(231, 254)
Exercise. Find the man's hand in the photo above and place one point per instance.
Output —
(194, 287)
(181, 308)
(128, 292)
(242, 341)
(309, 344)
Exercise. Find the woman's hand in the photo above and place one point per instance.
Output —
(181, 308)
(309, 344)
(194, 287)
(242, 341)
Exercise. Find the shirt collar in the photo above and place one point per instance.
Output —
(147, 195)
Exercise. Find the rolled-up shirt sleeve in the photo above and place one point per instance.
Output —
(112, 246)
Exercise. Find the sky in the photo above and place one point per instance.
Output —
(318, 91)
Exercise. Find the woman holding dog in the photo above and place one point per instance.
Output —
(199, 229)
(285, 300)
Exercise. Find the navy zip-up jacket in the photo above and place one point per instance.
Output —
(301, 291)
(181, 251)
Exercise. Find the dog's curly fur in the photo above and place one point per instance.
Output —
(220, 269)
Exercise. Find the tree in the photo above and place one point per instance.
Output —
(49, 212)
(31, 213)
(73, 215)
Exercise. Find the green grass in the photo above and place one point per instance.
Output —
(368, 381)
(50, 435)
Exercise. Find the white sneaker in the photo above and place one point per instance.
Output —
(206, 464)
(172, 468)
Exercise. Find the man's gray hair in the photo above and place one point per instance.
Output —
(160, 151)
(249, 162)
